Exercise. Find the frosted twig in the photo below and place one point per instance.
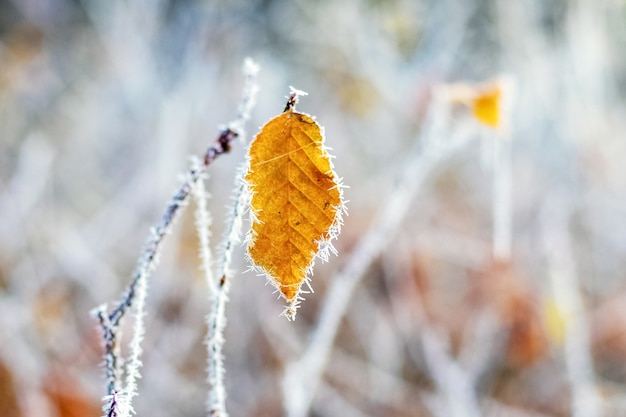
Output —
(294, 97)
(115, 406)
(502, 198)
(251, 88)
(335, 404)
(111, 350)
(216, 319)
(302, 377)
(203, 224)
(585, 398)
(135, 294)
(346, 368)
(502, 167)
(452, 381)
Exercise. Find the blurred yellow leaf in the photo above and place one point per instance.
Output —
(484, 101)
(486, 106)
(556, 322)
(295, 200)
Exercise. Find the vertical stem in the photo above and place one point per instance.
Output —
(203, 225)
(585, 400)
(502, 212)
(451, 380)
(216, 319)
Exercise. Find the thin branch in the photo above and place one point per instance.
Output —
(430, 345)
(502, 211)
(216, 320)
(452, 381)
(111, 350)
(585, 399)
(502, 175)
(114, 406)
(135, 293)
(203, 229)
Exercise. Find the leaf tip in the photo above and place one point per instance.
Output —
(292, 99)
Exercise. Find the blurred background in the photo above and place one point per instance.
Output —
(103, 102)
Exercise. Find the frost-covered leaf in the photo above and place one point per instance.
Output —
(296, 201)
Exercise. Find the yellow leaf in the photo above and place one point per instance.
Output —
(484, 101)
(556, 321)
(296, 201)
(486, 106)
